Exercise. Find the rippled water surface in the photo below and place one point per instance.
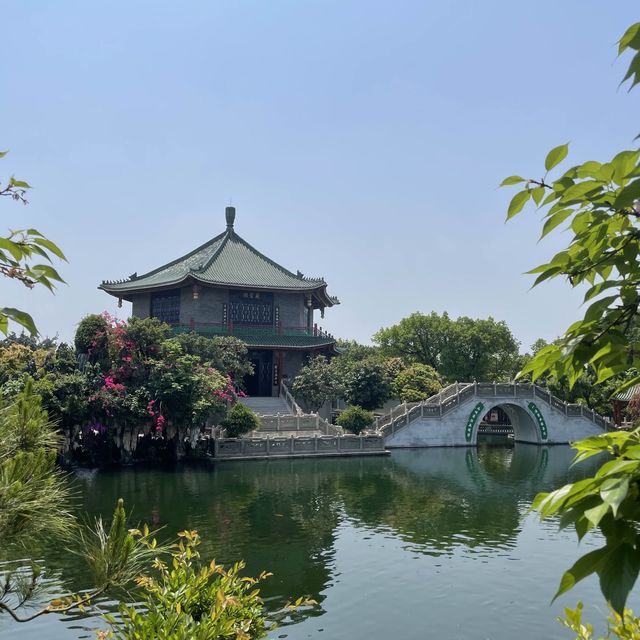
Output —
(429, 543)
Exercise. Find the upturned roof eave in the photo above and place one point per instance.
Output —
(120, 288)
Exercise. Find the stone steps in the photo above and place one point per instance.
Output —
(266, 406)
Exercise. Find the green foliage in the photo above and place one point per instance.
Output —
(367, 384)
(607, 502)
(464, 349)
(600, 203)
(17, 252)
(144, 336)
(316, 383)
(33, 493)
(352, 351)
(622, 627)
(240, 420)
(418, 338)
(224, 353)
(91, 335)
(115, 558)
(137, 378)
(355, 419)
(185, 390)
(416, 383)
(193, 600)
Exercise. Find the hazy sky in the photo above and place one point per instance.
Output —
(360, 141)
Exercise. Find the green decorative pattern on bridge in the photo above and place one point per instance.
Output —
(471, 422)
(542, 425)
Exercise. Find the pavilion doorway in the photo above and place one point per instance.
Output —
(260, 382)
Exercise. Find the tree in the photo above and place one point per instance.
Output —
(463, 349)
(316, 382)
(114, 558)
(416, 383)
(419, 338)
(600, 201)
(33, 493)
(17, 250)
(479, 350)
(224, 353)
(367, 384)
(91, 336)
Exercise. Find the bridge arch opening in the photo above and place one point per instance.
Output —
(495, 428)
(509, 419)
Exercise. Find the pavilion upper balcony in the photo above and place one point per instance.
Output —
(253, 333)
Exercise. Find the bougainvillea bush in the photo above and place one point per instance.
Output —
(129, 389)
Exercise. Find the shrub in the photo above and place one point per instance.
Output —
(195, 600)
(355, 419)
(240, 420)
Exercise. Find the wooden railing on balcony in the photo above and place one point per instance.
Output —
(253, 330)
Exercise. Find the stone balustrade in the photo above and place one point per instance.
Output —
(296, 446)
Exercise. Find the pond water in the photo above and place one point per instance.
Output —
(428, 543)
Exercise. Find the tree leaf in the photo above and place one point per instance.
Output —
(583, 567)
(553, 221)
(614, 493)
(537, 194)
(12, 247)
(21, 184)
(633, 72)
(512, 180)
(556, 156)
(21, 317)
(623, 165)
(48, 244)
(630, 39)
(595, 514)
(618, 574)
(627, 196)
(517, 203)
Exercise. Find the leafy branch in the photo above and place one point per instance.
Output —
(600, 202)
(17, 251)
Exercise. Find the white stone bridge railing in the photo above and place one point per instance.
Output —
(290, 400)
(456, 394)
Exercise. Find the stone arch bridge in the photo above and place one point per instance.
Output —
(451, 417)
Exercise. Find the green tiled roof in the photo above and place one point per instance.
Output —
(227, 260)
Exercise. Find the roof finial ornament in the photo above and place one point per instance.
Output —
(230, 215)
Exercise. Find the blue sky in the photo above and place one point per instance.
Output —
(360, 141)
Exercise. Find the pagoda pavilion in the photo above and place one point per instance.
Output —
(227, 288)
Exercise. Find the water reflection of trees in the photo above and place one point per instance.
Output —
(439, 499)
(284, 516)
